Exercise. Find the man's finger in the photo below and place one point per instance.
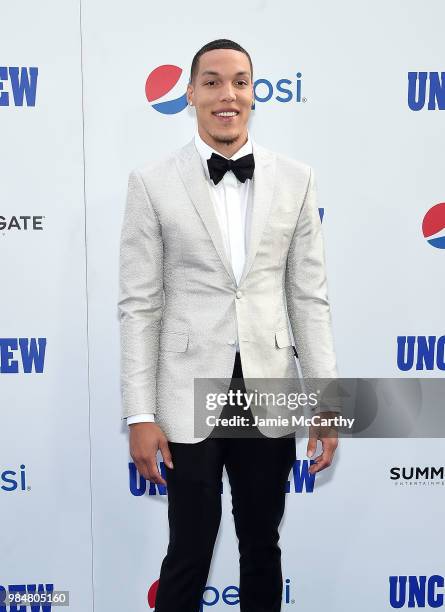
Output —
(324, 460)
(311, 446)
(149, 470)
(320, 463)
(154, 473)
(166, 454)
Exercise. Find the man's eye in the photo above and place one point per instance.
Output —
(242, 82)
(210, 82)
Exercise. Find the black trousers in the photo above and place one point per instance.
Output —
(257, 469)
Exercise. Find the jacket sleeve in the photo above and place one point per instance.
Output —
(307, 293)
(140, 302)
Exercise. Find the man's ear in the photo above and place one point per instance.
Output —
(189, 94)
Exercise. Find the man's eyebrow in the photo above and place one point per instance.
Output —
(215, 73)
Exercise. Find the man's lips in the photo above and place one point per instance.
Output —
(225, 116)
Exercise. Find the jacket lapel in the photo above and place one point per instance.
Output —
(263, 186)
(192, 174)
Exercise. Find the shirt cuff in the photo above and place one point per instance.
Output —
(145, 417)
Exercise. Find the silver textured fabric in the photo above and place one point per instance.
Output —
(179, 305)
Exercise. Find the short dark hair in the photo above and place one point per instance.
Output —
(220, 43)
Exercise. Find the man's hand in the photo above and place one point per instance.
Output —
(329, 442)
(145, 440)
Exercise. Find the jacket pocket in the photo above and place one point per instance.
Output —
(174, 341)
(282, 338)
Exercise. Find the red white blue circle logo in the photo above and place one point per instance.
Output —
(433, 226)
(162, 86)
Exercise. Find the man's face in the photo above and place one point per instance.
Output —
(223, 83)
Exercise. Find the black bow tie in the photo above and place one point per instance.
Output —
(242, 167)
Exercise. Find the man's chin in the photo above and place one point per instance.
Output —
(226, 138)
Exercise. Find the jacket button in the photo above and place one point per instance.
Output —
(239, 294)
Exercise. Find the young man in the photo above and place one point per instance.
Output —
(220, 243)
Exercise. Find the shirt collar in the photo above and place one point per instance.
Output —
(205, 151)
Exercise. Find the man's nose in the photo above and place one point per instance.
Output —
(228, 93)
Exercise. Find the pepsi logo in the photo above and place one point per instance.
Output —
(433, 226)
(165, 82)
(151, 595)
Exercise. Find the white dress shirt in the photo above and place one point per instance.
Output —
(232, 201)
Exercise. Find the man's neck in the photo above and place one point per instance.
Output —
(225, 149)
